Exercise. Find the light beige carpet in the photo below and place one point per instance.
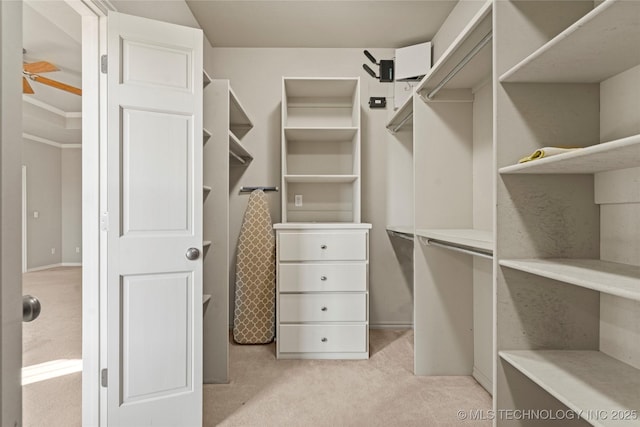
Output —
(381, 391)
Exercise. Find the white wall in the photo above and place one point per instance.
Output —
(256, 77)
(54, 190)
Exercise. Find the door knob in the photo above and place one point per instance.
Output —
(323, 278)
(30, 308)
(323, 246)
(193, 254)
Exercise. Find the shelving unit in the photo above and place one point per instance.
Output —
(568, 242)
(594, 385)
(453, 164)
(229, 123)
(321, 149)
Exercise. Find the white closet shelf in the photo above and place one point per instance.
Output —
(206, 243)
(238, 117)
(205, 191)
(320, 134)
(621, 280)
(477, 239)
(402, 117)
(336, 88)
(205, 298)
(324, 179)
(205, 136)
(206, 79)
(403, 231)
(601, 44)
(587, 382)
(238, 153)
(477, 70)
(619, 154)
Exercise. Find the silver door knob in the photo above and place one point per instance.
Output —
(323, 246)
(323, 278)
(193, 254)
(30, 308)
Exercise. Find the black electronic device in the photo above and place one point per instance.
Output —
(377, 102)
(385, 68)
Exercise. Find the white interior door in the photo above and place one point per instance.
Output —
(155, 216)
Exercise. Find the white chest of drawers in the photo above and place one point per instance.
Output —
(322, 291)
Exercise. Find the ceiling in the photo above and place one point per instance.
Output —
(52, 32)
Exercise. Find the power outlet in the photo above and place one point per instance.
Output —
(77, 249)
(53, 251)
(298, 200)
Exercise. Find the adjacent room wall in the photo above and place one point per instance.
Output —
(54, 190)
(256, 77)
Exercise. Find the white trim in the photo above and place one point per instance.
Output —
(42, 140)
(70, 264)
(391, 325)
(57, 265)
(24, 219)
(50, 108)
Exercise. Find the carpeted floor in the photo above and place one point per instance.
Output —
(263, 391)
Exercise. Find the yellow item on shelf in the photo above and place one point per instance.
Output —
(545, 152)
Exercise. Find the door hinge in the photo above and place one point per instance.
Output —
(104, 221)
(103, 64)
(103, 377)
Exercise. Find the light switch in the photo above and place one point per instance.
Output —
(298, 200)
(36, 214)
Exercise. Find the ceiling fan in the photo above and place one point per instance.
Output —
(32, 72)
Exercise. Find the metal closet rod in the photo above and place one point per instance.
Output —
(468, 57)
(250, 189)
(454, 247)
(238, 158)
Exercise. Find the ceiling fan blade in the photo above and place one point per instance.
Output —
(26, 87)
(57, 84)
(40, 67)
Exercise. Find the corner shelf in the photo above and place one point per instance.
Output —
(205, 191)
(580, 54)
(238, 154)
(402, 231)
(609, 277)
(205, 136)
(477, 70)
(587, 382)
(239, 121)
(206, 79)
(619, 154)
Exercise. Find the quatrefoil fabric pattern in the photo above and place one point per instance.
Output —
(255, 298)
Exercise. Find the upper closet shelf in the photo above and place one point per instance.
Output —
(320, 134)
(238, 116)
(206, 79)
(321, 178)
(473, 242)
(403, 231)
(403, 116)
(619, 154)
(237, 151)
(621, 280)
(587, 382)
(601, 44)
(326, 92)
(467, 63)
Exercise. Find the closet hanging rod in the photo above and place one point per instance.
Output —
(238, 158)
(402, 122)
(250, 189)
(400, 235)
(468, 57)
(454, 247)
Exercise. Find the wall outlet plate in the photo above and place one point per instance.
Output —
(298, 200)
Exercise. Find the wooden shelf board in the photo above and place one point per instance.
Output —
(619, 154)
(601, 44)
(320, 134)
(330, 87)
(474, 72)
(236, 147)
(206, 243)
(206, 79)
(585, 381)
(621, 280)
(205, 298)
(402, 229)
(324, 179)
(476, 239)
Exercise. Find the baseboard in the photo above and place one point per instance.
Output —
(484, 381)
(391, 325)
(60, 264)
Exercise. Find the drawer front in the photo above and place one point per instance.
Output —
(322, 277)
(330, 246)
(323, 308)
(322, 338)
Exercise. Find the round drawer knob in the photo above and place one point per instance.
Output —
(323, 246)
(323, 278)
(324, 339)
(324, 309)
